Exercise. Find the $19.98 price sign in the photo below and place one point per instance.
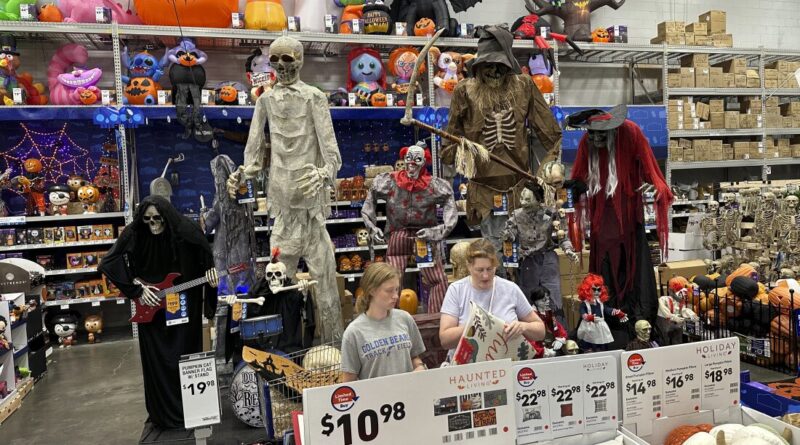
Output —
(199, 391)
(446, 405)
(563, 398)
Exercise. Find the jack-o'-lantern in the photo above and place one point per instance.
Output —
(543, 83)
(790, 390)
(730, 307)
(424, 27)
(50, 13)
(784, 300)
(778, 344)
(32, 165)
(88, 194)
(600, 35)
(140, 88)
(377, 99)
(228, 94)
(781, 325)
(344, 264)
(408, 301)
(86, 96)
(449, 85)
(196, 13)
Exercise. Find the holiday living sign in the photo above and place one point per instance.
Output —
(675, 380)
(455, 404)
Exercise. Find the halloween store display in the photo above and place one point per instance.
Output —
(188, 77)
(429, 15)
(303, 160)
(10, 62)
(411, 224)
(576, 14)
(449, 71)
(365, 74)
(144, 71)
(68, 84)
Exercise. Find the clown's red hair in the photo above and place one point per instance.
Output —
(357, 52)
(428, 158)
(585, 288)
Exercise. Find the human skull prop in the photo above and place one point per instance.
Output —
(791, 202)
(556, 225)
(286, 58)
(713, 207)
(458, 258)
(554, 174)
(415, 160)
(787, 273)
(154, 220)
(571, 347)
(562, 214)
(399, 165)
(276, 275)
(643, 329)
(362, 236)
(728, 198)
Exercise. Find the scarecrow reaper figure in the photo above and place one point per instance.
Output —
(494, 109)
(303, 160)
(411, 196)
(614, 161)
(159, 241)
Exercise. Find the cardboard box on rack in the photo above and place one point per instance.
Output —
(717, 79)
(703, 110)
(689, 38)
(737, 65)
(731, 119)
(702, 40)
(730, 80)
(752, 106)
(717, 120)
(790, 109)
(670, 28)
(676, 154)
(687, 77)
(715, 21)
(567, 267)
(672, 39)
(740, 81)
(688, 155)
(722, 40)
(773, 102)
(686, 269)
(702, 77)
(674, 80)
(697, 60)
(716, 105)
(698, 28)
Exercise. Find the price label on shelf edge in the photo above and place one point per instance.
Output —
(199, 390)
(448, 405)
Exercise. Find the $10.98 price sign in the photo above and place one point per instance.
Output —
(680, 379)
(446, 405)
(199, 390)
(559, 398)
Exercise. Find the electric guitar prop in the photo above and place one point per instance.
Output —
(144, 313)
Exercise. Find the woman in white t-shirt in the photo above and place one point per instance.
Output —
(382, 340)
(498, 296)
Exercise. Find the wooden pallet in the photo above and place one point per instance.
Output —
(14, 401)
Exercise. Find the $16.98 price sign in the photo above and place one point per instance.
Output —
(559, 398)
(447, 405)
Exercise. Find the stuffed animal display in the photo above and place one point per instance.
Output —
(435, 13)
(70, 85)
(50, 13)
(188, 77)
(83, 11)
(365, 73)
(9, 9)
(450, 71)
(259, 72)
(10, 61)
(141, 83)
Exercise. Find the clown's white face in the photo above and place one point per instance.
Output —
(415, 161)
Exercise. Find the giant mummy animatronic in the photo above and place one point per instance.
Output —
(304, 158)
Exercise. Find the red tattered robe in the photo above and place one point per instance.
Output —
(614, 220)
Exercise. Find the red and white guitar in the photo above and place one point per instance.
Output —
(144, 313)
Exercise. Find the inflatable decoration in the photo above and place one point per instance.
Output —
(259, 72)
(50, 13)
(67, 83)
(9, 9)
(83, 11)
(267, 15)
(141, 83)
(401, 66)
(199, 13)
(228, 92)
(351, 12)
(10, 61)
(365, 73)
(449, 66)
(376, 18)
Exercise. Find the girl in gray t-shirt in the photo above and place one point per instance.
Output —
(382, 340)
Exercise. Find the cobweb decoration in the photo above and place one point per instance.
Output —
(59, 154)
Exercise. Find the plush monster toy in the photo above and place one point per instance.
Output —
(259, 73)
(83, 11)
(188, 77)
(9, 10)
(10, 61)
(365, 73)
(144, 71)
(70, 85)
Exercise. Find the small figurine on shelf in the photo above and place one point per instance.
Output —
(227, 92)
(94, 326)
(673, 312)
(642, 340)
(88, 195)
(259, 72)
(555, 335)
(75, 182)
(401, 65)
(450, 66)
(365, 73)
(58, 194)
(593, 331)
(64, 326)
(5, 345)
(10, 61)
(141, 83)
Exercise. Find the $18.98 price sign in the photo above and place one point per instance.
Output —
(446, 405)
(559, 398)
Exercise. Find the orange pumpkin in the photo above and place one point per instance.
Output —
(408, 301)
(778, 344)
(88, 194)
(745, 270)
(32, 165)
(791, 362)
(543, 83)
(424, 27)
(50, 13)
(600, 35)
(198, 13)
(139, 88)
(266, 15)
(680, 434)
(87, 96)
(228, 94)
(377, 99)
(350, 13)
(781, 298)
(730, 307)
(781, 326)
(790, 390)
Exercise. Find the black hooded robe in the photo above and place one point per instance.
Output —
(138, 253)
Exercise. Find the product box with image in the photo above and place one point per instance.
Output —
(84, 233)
(9, 237)
(74, 261)
(20, 237)
(90, 259)
(35, 235)
(70, 234)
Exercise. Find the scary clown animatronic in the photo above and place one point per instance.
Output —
(673, 311)
(613, 165)
(593, 331)
(496, 108)
(411, 196)
(304, 159)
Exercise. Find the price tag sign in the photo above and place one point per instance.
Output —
(681, 389)
(558, 398)
(468, 403)
(199, 390)
(389, 99)
(424, 253)
(95, 303)
(12, 221)
(64, 306)
(692, 327)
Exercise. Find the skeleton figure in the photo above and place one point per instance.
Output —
(764, 269)
(732, 219)
(765, 218)
(711, 225)
(673, 312)
(499, 130)
(532, 226)
(411, 199)
(304, 158)
(275, 275)
(788, 230)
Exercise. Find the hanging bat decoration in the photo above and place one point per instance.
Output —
(576, 14)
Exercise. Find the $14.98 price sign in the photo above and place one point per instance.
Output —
(199, 391)
(561, 398)
(446, 405)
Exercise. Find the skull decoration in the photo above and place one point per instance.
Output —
(458, 258)
(362, 236)
(415, 159)
(571, 347)
(791, 202)
(154, 220)
(554, 174)
(399, 165)
(643, 329)
(286, 58)
(275, 272)
(562, 214)
(527, 199)
(728, 198)
(713, 207)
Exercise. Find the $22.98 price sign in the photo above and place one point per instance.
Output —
(366, 424)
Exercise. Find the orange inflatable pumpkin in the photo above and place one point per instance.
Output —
(350, 13)
(543, 83)
(745, 270)
(32, 165)
(199, 13)
(377, 99)
(424, 27)
(139, 88)
(600, 35)
(228, 94)
(266, 15)
(408, 301)
(781, 325)
(781, 298)
(50, 13)
(680, 434)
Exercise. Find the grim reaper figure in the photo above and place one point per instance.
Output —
(303, 159)
(411, 196)
(495, 108)
(159, 241)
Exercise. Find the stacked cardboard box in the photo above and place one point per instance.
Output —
(782, 72)
(791, 114)
(715, 27)
(671, 33)
(709, 30)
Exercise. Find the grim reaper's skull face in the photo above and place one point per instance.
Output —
(598, 138)
(415, 161)
(492, 74)
(276, 275)
(154, 220)
(286, 58)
